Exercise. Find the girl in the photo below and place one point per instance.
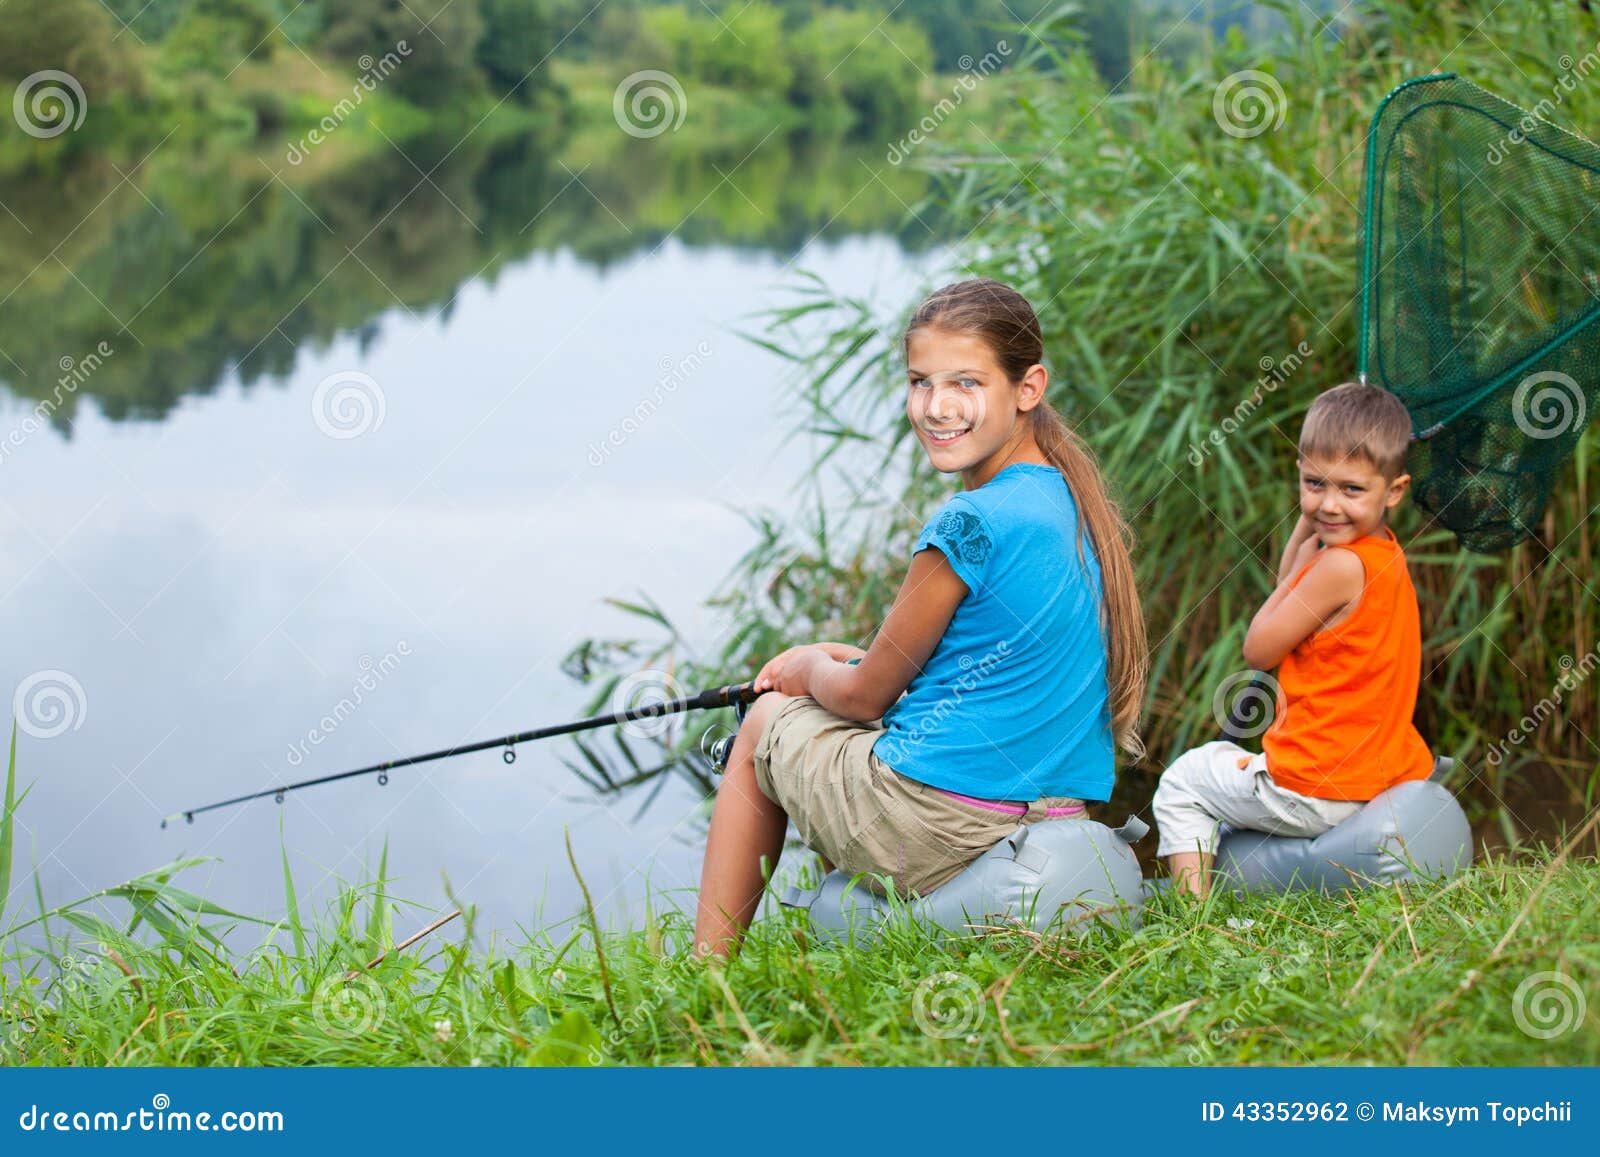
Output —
(1017, 641)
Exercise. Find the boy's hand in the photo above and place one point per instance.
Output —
(1297, 552)
(1306, 551)
(789, 673)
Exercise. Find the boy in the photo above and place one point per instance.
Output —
(1342, 628)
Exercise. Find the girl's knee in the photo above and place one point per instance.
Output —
(762, 711)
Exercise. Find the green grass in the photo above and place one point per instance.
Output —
(1431, 974)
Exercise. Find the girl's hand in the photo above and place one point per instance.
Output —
(789, 673)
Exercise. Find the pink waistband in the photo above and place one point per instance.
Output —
(1015, 809)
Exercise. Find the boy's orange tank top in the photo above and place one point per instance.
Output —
(1344, 727)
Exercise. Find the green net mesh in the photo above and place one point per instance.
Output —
(1481, 293)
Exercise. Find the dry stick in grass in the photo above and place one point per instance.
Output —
(402, 946)
(761, 1048)
(594, 927)
(705, 1045)
(827, 1006)
(1372, 961)
(1004, 983)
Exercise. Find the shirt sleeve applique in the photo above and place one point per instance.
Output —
(965, 534)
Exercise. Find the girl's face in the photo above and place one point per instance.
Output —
(967, 415)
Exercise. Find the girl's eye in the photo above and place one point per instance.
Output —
(968, 383)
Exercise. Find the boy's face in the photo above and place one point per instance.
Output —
(1346, 498)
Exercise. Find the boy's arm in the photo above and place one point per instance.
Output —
(1292, 613)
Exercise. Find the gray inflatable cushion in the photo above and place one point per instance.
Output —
(1050, 875)
(1413, 831)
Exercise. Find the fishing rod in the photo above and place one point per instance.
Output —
(735, 695)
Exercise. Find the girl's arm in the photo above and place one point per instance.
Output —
(922, 610)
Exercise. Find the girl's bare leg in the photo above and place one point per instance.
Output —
(746, 828)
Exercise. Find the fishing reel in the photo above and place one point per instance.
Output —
(720, 749)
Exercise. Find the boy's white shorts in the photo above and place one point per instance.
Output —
(1222, 783)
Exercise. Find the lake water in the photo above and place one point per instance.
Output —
(417, 510)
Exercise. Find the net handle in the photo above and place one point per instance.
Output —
(1368, 215)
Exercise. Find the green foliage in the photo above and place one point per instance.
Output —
(73, 36)
(516, 48)
(440, 37)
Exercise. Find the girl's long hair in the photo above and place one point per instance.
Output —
(1002, 318)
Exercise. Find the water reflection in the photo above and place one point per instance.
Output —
(220, 581)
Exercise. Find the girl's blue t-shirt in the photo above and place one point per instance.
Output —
(1013, 703)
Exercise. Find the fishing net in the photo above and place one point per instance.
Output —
(1480, 298)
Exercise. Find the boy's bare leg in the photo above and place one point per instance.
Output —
(1190, 871)
(746, 829)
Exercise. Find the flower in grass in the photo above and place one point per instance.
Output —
(441, 1031)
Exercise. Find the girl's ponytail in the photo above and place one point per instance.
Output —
(1122, 618)
(1003, 318)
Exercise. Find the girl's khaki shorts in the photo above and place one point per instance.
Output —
(861, 814)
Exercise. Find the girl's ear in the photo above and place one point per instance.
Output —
(1031, 390)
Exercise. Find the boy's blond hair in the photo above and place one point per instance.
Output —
(1358, 421)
